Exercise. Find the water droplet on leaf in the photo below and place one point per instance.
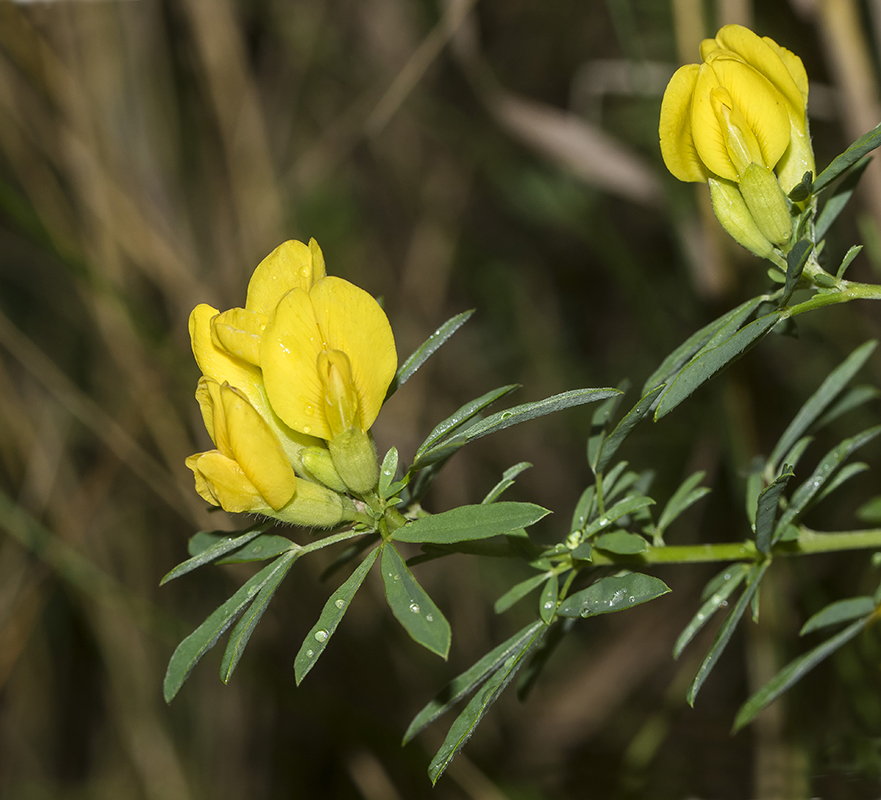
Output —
(414, 607)
(320, 636)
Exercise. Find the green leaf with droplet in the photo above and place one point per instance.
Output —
(201, 640)
(463, 684)
(241, 634)
(412, 606)
(721, 588)
(626, 506)
(468, 523)
(547, 601)
(615, 593)
(426, 350)
(470, 718)
(331, 615)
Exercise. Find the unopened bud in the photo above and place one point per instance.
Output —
(731, 210)
(314, 506)
(765, 199)
(318, 462)
(354, 456)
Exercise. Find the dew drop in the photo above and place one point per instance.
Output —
(306, 429)
(340, 603)
(304, 271)
(724, 604)
(320, 636)
(548, 606)
(310, 653)
(429, 618)
(632, 599)
(602, 522)
(414, 607)
(506, 415)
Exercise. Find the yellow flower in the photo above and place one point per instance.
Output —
(741, 117)
(290, 386)
(249, 471)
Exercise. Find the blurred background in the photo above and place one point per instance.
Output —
(499, 155)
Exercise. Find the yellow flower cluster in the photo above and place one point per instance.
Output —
(290, 386)
(739, 122)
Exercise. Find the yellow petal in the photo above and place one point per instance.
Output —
(221, 482)
(677, 143)
(794, 66)
(706, 47)
(340, 401)
(238, 332)
(757, 53)
(289, 352)
(257, 449)
(351, 320)
(710, 139)
(318, 268)
(291, 265)
(208, 396)
(217, 363)
(760, 103)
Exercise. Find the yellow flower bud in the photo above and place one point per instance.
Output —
(741, 116)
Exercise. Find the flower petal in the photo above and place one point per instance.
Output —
(257, 449)
(291, 265)
(757, 52)
(677, 142)
(289, 352)
(217, 363)
(238, 332)
(221, 482)
(761, 105)
(710, 140)
(351, 320)
(208, 396)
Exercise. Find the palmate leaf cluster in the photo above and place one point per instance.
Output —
(598, 563)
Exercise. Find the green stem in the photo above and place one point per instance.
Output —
(846, 291)
(808, 543)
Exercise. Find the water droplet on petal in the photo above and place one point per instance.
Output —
(320, 636)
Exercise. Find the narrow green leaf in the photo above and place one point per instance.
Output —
(547, 602)
(615, 593)
(842, 476)
(387, 472)
(599, 424)
(707, 363)
(611, 478)
(201, 640)
(518, 592)
(754, 486)
(468, 523)
(865, 144)
(463, 684)
(427, 349)
(849, 256)
(412, 606)
(838, 200)
(796, 259)
(331, 615)
(794, 672)
(797, 451)
(584, 552)
(817, 403)
(839, 612)
(627, 484)
(241, 634)
(723, 586)
(622, 543)
(870, 512)
(824, 470)
(218, 544)
(260, 549)
(470, 718)
(766, 510)
(523, 413)
(623, 428)
(467, 412)
(851, 399)
(508, 477)
(687, 350)
(723, 636)
(583, 509)
(540, 656)
(682, 498)
(620, 509)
